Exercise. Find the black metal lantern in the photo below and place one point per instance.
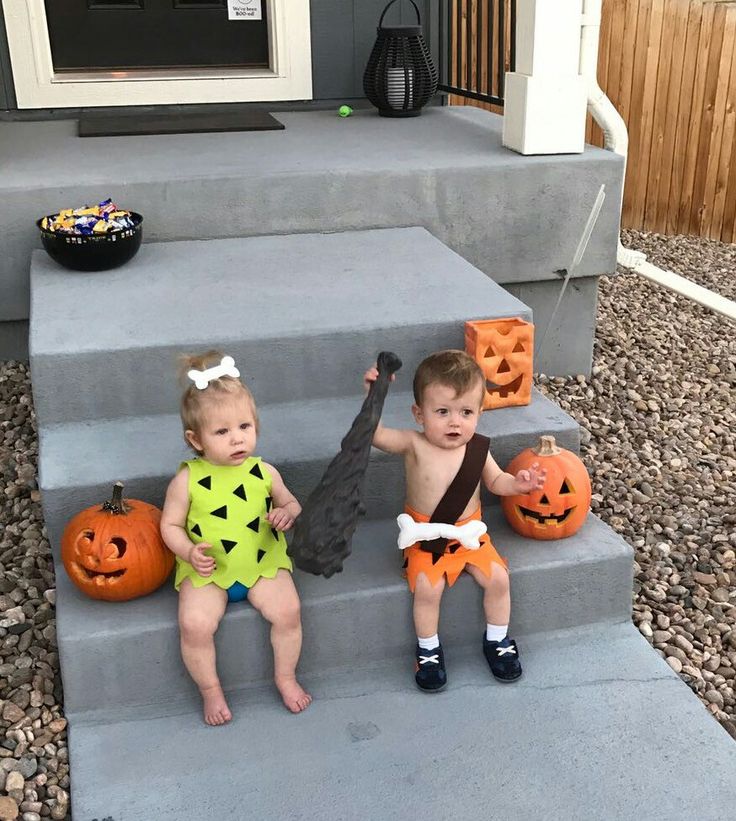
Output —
(400, 77)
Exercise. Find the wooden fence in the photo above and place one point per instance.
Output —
(669, 67)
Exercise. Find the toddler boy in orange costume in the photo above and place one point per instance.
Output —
(438, 460)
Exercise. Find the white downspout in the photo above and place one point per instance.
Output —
(616, 137)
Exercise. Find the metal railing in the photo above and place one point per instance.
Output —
(477, 47)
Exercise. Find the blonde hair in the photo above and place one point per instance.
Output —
(194, 402)
(452, 368)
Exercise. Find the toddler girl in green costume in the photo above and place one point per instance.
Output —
(224, 517)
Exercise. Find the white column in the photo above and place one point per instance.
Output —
(546, 98)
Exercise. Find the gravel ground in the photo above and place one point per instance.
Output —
(709, 263)
(658, 426)
(658, 419)
(34, 769)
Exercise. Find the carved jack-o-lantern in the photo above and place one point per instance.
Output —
(560, 507)
(504, 349)
(115, 552)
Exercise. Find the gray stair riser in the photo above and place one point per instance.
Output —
(303, 315)
(143, 382)
(340, 631)
(383, 489)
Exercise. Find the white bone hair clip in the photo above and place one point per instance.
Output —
(203, 378)
(410, 531)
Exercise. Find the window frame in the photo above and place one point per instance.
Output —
(38, 86)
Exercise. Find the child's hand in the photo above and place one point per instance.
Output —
(530, 480)
(203, 564)
(371, 375)
(280, 518)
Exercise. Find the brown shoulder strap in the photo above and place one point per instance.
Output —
(458, 494)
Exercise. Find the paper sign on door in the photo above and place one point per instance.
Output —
(244, 10)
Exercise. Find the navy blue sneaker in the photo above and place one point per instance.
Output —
(503, 658)
(430, 674)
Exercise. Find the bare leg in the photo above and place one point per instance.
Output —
(427, 606)
(503, 657)
(278, 602)
(496, 592)
(200, 612)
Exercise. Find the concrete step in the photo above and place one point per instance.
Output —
(447, 170)
(115, 656)
(584, 736)
(303, 315)
(80, 462)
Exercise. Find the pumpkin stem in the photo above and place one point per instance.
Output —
(546, 447)
(117, 504)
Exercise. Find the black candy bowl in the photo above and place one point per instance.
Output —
(93, 252)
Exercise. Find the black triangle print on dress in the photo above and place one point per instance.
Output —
(275, 533)
(261, 554)
(240, 493)
(256, 471)
(269, 504)
(206, 483)
(228, 545)
(221, 512)
(254, 525)
(436, 557)
(196, 530)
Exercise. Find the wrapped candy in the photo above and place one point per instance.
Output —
(94, 219)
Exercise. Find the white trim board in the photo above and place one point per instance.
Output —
(686, 287)
(37, 86)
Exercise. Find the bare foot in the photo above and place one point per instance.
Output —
(216, 710)
(295, 697)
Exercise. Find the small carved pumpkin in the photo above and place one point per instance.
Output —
(560, 507)
(115, 552)
(504, 349)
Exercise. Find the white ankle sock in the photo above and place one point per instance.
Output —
(429, 643)
(496, 632)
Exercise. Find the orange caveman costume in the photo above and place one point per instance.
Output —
(452, 562)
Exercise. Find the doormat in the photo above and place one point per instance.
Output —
(179, 123)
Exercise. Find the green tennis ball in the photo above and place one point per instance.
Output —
(344, 111)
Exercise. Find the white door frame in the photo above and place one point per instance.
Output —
(38, 86)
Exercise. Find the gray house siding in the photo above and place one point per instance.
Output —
(7, 92)
(343, 33)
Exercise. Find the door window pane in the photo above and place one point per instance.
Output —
(102, 35)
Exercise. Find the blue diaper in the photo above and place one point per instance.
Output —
(237, 592)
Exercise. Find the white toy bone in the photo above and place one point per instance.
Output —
(226, 368)
(410, 531)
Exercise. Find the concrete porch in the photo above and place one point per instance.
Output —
(515, 218)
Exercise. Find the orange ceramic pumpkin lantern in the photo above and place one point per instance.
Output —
(560, 507)
(504, 349)
(115, 552)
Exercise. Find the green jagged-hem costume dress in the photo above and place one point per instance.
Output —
(228, 505)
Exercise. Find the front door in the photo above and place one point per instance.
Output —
(139, 35)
